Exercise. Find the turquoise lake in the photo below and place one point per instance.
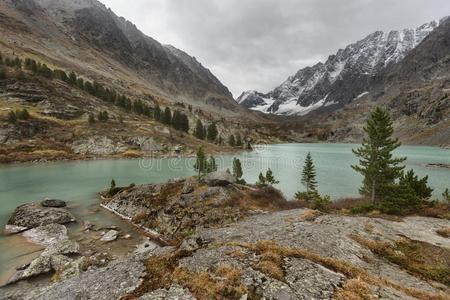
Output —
(78, 182)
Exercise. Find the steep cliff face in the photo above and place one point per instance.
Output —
(85, 35)
(343, 77)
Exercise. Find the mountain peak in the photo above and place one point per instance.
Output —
(342, 76)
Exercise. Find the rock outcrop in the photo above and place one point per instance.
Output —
(34, 215)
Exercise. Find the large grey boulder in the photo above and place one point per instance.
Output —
(47, 235)
(219, 178)
(53, 203)
(34, 215)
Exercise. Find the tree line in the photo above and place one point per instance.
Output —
(177, 119)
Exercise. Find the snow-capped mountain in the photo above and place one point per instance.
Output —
(343, 78)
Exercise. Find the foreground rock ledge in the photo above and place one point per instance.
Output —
(34, 215)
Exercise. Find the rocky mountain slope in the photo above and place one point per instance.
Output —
(343, 78)
(86, 36)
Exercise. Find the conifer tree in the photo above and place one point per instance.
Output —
(73, 78)
(261, 180)
(212, 132)
(113, 184)
(167, 116)
(2, 73)
(446, 195)
(376, 162)
(91, 119)
(270, 179)
(184, 123)
(237, 168)
(157, 113)
(199, 130)
(309, 175)
(239, 142)
(231, 141)
(12, 118)
(201, 163)
(212, 166)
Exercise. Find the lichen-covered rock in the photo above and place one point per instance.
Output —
(114, 281)
(53, 203)
(98, 145)
(175, 292)
(110, 236)
(38, 266)
(34, 215)
(219, 178)
(47, 235)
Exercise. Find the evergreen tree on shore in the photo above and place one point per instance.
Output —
(237, 168)
(309, 175)
(231, 141)
(270, 179)
(376, 162)
(201, 163)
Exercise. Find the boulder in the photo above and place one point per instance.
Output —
(39, 266)
(53, 203)
(47, 235)
(34, 215)
(110, 236)
(219, 178)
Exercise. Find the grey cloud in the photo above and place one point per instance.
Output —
(256, 44)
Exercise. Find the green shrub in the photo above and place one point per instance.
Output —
(419, 186)
(321, 203)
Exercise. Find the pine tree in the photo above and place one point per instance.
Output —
(12, 118)
(199, 130)
(376, 163)
(419, 186)
(239, 142)
(167, 116)
(73, 78)
(270, 179)
(212, 166)
(261, 180)
(157, 113)
(231, 141)
(201, 163)
(91, 119)
(113, 184)
(446, 195)
(176, 120)
(212, 132)
(2, 73)
(184, 123)
(237, 168)
(309, 175)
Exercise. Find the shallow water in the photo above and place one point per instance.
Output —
(78, 182)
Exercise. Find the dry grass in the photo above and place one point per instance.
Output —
(444, 232)
(343, 267)
(348, 203)
(266, 198)
(354, 289)
(423, 259)
(237, 254)
(440, 210)
(224, 282)
(310, 215)
(132, 154)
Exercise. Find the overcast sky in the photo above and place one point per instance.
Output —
(257, 44)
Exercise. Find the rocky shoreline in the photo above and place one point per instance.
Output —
(215, 238)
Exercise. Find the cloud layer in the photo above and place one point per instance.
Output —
(257, 44)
